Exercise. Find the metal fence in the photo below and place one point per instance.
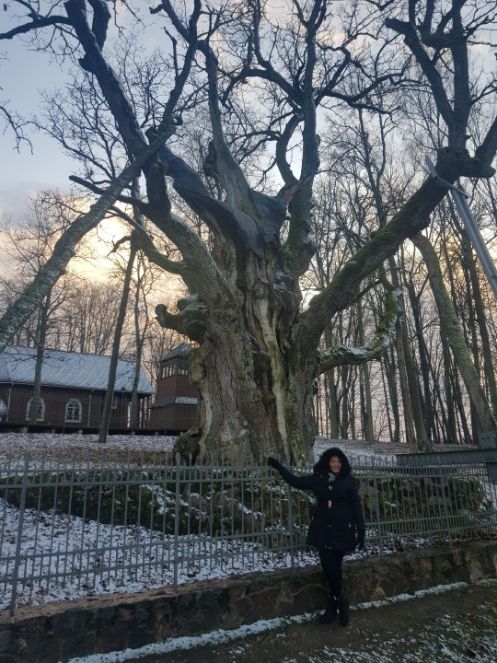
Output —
(83, 526)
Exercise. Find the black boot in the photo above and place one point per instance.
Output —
(343, 610)
(328, 616)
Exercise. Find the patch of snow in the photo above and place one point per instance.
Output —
(189, 642)
(221, 636)
(65, 557)
(357, 453)
(401, 598)
(380, 451)
(41, 445)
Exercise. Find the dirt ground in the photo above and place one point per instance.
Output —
(453, 627)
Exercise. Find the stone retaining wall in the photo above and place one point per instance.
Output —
(58, 631)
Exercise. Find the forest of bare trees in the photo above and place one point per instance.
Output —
(272, 158)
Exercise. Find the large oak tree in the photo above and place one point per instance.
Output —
(270, 78)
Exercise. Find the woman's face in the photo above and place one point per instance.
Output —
(335, 464)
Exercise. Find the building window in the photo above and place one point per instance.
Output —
(39, 412)
(114, 403)
(74, 410)
(174, 368)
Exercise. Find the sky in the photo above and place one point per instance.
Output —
(23, 74)
(25, 169)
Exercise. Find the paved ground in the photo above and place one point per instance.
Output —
(453, 627)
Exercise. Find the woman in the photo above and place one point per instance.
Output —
(337, 526)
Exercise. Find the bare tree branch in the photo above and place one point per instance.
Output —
(383, 339)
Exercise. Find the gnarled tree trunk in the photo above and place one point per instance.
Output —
(258, 353)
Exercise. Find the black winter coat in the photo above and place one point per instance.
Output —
(337, 525)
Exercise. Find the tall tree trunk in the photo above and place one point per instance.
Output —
(450, 328)
(422, 441)
(344, 405)
(412, 387)
(488, 367)
(40, 341)
(466, 313)
(352, 406)
(134, 419)
(440, 411)
(386, 397)
(109, 394)
(259, 410)
(463, 434)
(333, 415)
(451, 427)
(393, 392)
(423, 357)
(406, 396)
(365, 385)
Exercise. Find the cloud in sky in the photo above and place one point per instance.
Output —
(23, 74)
(14, 199)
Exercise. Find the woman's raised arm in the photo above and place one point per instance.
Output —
(303, 483)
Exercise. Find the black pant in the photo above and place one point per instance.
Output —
(331, 561)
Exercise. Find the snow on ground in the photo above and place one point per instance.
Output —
(100, 559)
(74, 447)
(359, 453)
(363, 452)
(88, 558)
(41, 444)
(189, 642)
(224, 636)
(72, 444)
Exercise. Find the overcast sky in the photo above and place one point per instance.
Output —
(22, 75)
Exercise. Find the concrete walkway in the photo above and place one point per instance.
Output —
(452, 627)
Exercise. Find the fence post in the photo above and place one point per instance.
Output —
(17, 560)
(290, 527)
(444, 485)
(176, 520)
(491, 468)
(378, 513)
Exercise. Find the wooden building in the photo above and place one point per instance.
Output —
(73, 387)
(176, 405)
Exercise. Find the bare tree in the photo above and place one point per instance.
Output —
(258, 352)
(116, 343)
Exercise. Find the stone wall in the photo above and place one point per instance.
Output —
(58, 631)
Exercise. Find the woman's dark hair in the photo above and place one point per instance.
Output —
(323, 464)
